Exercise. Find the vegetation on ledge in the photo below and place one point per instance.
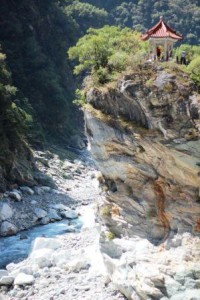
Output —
(107, 51)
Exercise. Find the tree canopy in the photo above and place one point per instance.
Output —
(106, 50)
(182, 15)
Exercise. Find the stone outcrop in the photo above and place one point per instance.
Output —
(144, 139)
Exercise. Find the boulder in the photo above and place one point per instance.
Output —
(60, 258)
(38, 191)
(33, 202)
(40, 213)
(24, 279)
(183, 274)
(45, 220)
(6, 212)
(69, 214)
(41, 258)
(53, 215)
(187, 295)
(8, 228)
(48, 243)
(172, 286)
(56, 192)
(60, 207)
(15, 195)
(68, 176)
(77, 264)
(6, 280)
(26, 190)
(46, 189)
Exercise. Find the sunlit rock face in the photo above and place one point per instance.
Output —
(144, 139)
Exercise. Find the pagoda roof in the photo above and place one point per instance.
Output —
(161, 30)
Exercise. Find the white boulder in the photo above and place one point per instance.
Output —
(6, 280)
(60, 258)
(41, 258)
(24, 279)
(48, 243)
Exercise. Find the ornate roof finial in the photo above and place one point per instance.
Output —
(161, 18)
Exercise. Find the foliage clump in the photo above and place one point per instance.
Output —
(194, 70)
(110, 235)
(105, 211)
(106, 51)
(192, 60)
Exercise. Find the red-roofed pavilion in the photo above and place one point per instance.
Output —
(161, 35)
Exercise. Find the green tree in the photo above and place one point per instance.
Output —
(106, 51)
(194, 70)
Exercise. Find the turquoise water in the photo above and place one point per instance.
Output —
(16, 248)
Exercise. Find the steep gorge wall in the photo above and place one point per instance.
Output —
(144, 138)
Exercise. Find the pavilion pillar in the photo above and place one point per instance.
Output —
(165, 50)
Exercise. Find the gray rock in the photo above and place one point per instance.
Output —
(196, 272)
(69, 214)
(190, 283)
(60, 207)
(6, 212)
(68, 176)
(193, 294)
(163, 79)
(6, 280)
(40, 213)
(15, 195)
(33, 202)
(38, 191)
(45, 220)
(8, 228)
(46, 189)
(172, 286)
(56, 192)
(27, 190)
(53, 215)
(182, 275)
(24, 279)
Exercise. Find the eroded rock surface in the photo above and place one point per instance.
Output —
(144, 138)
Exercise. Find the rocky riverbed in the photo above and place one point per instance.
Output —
(67, 266)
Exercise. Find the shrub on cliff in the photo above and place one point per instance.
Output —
(105, 51)
(194, 70)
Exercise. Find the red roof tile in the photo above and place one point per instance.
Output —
(161, 30)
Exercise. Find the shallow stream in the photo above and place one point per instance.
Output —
(16, 248)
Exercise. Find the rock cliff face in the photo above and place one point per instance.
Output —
(144, 138)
